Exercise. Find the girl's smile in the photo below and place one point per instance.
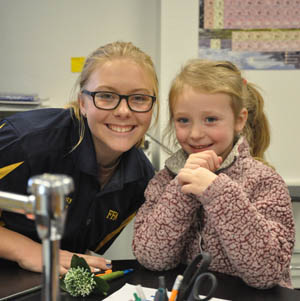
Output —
(200, 148)
(120, 128)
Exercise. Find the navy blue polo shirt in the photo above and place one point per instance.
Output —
(39, 141)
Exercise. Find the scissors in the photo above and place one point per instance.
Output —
(193, 278)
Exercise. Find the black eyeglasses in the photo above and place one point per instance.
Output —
(104, 100)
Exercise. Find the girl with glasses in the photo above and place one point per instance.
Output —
(96, 140)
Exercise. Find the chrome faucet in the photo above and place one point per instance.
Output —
(47, 203)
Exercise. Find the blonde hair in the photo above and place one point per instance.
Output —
(224, 77)
(109, 52)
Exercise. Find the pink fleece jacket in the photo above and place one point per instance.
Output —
(243, 219)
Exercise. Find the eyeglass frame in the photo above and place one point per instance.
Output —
(121, 96)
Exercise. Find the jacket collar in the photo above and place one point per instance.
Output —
(178, 159)
(84, 155)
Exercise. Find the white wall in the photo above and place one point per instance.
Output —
(39, 37)
(281, 91)
(178, 42)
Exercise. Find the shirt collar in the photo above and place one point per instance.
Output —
(130, 169)
(178, 159)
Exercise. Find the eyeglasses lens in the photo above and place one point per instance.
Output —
(136, 102)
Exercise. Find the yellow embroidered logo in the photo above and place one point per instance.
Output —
(68, 201)
(112, 215)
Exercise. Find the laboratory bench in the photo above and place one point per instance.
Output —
(14, 280)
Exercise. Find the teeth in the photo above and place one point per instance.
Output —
(120, 129)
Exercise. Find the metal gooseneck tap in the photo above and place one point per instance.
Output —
(47, 203)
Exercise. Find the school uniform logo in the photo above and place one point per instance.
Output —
(68, 201)
(112, 215)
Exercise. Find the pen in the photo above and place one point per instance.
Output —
(104, 273)
(175, 288)
(140, 292)
(116, 274)
(161, 293)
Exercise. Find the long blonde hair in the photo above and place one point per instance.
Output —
(224, 77)
(101, 55)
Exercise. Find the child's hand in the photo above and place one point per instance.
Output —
(195, 180)
(206, 159)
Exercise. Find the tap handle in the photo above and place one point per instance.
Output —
(49, 208)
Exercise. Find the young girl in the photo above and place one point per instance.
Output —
(95, 141)
(213, 194)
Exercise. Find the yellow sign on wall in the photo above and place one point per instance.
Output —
(77, 64)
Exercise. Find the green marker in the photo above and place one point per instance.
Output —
(116, 274)
(136, 297)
